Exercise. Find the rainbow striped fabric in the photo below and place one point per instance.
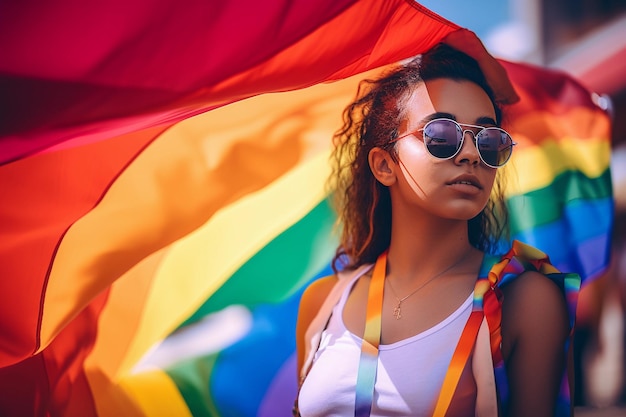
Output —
(161, 213)
(559, 184)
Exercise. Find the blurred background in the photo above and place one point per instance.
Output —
(587, 39)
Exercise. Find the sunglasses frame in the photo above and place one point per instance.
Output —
(462, 127)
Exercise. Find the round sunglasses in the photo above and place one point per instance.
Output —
(443, 139)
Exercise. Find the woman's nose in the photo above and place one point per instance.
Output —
(468, 152)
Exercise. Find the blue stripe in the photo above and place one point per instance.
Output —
(580, 240)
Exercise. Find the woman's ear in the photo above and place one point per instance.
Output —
(382, 166)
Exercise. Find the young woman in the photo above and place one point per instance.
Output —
(415, 327)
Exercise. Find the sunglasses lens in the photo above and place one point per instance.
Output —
(442, 138)
(495, 146)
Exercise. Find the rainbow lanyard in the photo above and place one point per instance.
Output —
(485, 302)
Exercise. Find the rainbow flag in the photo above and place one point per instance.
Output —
(164, 204)
(559, 182)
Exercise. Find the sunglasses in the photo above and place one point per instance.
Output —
(443, 139)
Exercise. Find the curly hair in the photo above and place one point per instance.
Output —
(372, 120)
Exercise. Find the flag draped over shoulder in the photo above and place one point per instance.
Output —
(161, 212)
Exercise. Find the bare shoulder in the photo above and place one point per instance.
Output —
(530, 287)
(312, 299)
(533, 306)
(315, 294)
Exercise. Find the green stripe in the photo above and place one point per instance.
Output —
(192, 379)
(281, 267)
(545, 205)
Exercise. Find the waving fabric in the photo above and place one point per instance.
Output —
(559, 184)
(161, 211)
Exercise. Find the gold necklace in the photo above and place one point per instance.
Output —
(397, 310)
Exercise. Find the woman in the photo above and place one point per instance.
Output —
(418, 174)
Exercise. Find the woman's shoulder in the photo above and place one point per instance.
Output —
(313, 306)
(534, 306)
(533, 289)
(316, 292)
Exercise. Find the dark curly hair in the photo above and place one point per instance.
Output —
(373, 120)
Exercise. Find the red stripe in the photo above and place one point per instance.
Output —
(543, 89)
(53, 382)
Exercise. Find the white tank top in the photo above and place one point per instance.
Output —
(409, 377)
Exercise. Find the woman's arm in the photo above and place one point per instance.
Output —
(535, 326)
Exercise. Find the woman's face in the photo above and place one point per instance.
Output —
(456, 188)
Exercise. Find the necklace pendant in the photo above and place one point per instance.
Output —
(397, 313)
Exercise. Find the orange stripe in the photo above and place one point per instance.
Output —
(375, 303)
(124, 306)
(458, 362)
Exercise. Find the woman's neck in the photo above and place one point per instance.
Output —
(426, 247)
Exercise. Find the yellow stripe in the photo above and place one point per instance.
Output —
(535, 167)
(196, 266)
(156, 394)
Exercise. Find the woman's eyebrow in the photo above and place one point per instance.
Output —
(438, 115)
(482, 120)
(486, 120)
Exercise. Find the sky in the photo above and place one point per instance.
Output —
(503, 26)
(481, 16)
